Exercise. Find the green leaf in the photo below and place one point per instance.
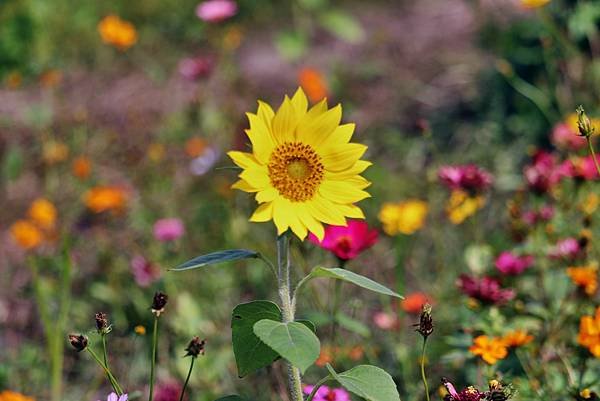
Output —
(367, 381)
(231, 398)
(250, 352)
(293, 341)
(351, 277)
(216, 257)
(343, 25)
(308, 324)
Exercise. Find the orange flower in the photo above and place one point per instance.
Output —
(195, 146)
(313, 83)
(117, 32)
(50, 78)
(325, 357)
(42, 213)
(491, 349)
(81, 167)
(414, 302)
(589, 333)
(585, 277)
(356, 353)
(8, 395)
(517, 338)
(101, 199)
(26, 234)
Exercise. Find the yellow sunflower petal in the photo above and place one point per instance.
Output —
(266, 113)
(263, 213)
(316, 110)
(340, 136)
(344, 157)
(300, 102)
(256, 177)
(285, 121)
(281, 212)
(310, 222)
(325, 211)
(243, 186)
(355, 181)
(316, 131)
(341, 192)
(243, 159)
(266, 195)
(356, 169)
(297, 227)
(260, 136)
(352, 211)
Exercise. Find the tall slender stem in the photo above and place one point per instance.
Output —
(287, 306)
(153, 363)
(113, 381)
(104, 352)
(187, 379)
(593, 153)
(423, 376)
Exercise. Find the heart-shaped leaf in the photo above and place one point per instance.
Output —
(216, 257)
(367, 381)
(250, 352)
(294, 341)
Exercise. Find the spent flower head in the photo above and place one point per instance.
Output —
(195, 347)
(425, 325)
(78, 341)
(159, 302)
(102, 323)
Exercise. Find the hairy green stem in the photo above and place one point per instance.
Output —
(423, 376)
(113, 381)
(287, 306)
(187, 379)
(153, 362)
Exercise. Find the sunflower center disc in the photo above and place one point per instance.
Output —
(296, 171)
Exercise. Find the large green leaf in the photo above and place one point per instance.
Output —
(217, 257)
(294, 341)
(367, 381)
(250, 352)
(351, 277)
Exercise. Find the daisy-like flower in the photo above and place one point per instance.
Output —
(585, 277)
(115, 397)
(490, 349)
(347, 242)
(517, 338)
(302, 167)
(589, 333)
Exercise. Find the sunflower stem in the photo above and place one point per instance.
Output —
(287, 306)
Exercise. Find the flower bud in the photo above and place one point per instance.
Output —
(425, 325)
(78, 341)
(102, 323)
(159, 302)
(195, 347)
(586, 129)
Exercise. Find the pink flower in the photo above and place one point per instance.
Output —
(115, 397)
(167, 391)
(144, 272)
(168, 229)
(216, 10)
(532, 217)
(582, 168)
(544, 173)
(467, 177)
(563, 137)
(567, 248)
(511, 264)
(325, 393)
(194, 68)
(486, 289)
(385, 320)
(467, 394)
(347, 242)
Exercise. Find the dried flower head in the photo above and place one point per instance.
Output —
(102, 323)
(425, 326)
(195, 347)
(78, 341)
(159, 302)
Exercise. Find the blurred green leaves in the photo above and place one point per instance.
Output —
(367, 381)
(217, 257)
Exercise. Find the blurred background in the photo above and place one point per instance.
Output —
(119, 114)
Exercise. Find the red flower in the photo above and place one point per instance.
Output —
(544, 173)
(347, 242)
(467, 177)
(486, 289)
(413, 303)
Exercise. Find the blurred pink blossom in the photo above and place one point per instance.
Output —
(167, 391)
(582, 168)
(144, 272)
(194, 68)
(511, 264)
(544, 173)
(563, 137)
(532, 217)
(216, 10)
(347, 242)
(467, 177)
(168, 229)
(567, 248)
(385, 320)
(325, 393)
(486, 289)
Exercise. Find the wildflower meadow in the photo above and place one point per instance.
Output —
(299, 200)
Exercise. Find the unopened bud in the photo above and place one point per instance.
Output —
(158, 303)
(425, 325)
(78, 341)
(102, 323)
(195, 347)
(586, 129)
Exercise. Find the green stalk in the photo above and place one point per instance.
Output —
(153, 363)
(423, 376)
(287, 306)
(593, 153)
(113, 381)
(187, 379)
(317, 387)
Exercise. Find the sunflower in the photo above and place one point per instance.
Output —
(302, 167)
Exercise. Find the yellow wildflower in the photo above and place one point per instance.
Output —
(54, 152)
(461, 206)
(534, 3)
(42, 213)
(405, 217)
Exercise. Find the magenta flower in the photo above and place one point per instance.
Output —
(467, 394)
(115, 397)
(486, 289)
(563, 137)
(544, 173)
(166, 230)
(467, 177)
(347, 242)
(216, 10)
(167, 391)
(582, 168)
(511, 264)
(144, 272)
(325, 393)
(532, 217)
(567, 248)
(194, 68)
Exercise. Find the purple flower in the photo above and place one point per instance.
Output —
(216, 10)
(115, 397)
(511, 264)
(168, 229)
(202, 164)
(467, 177)
(486, 289)
(194, 68)
(144, 272)
(325, 393)
(567, 248)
